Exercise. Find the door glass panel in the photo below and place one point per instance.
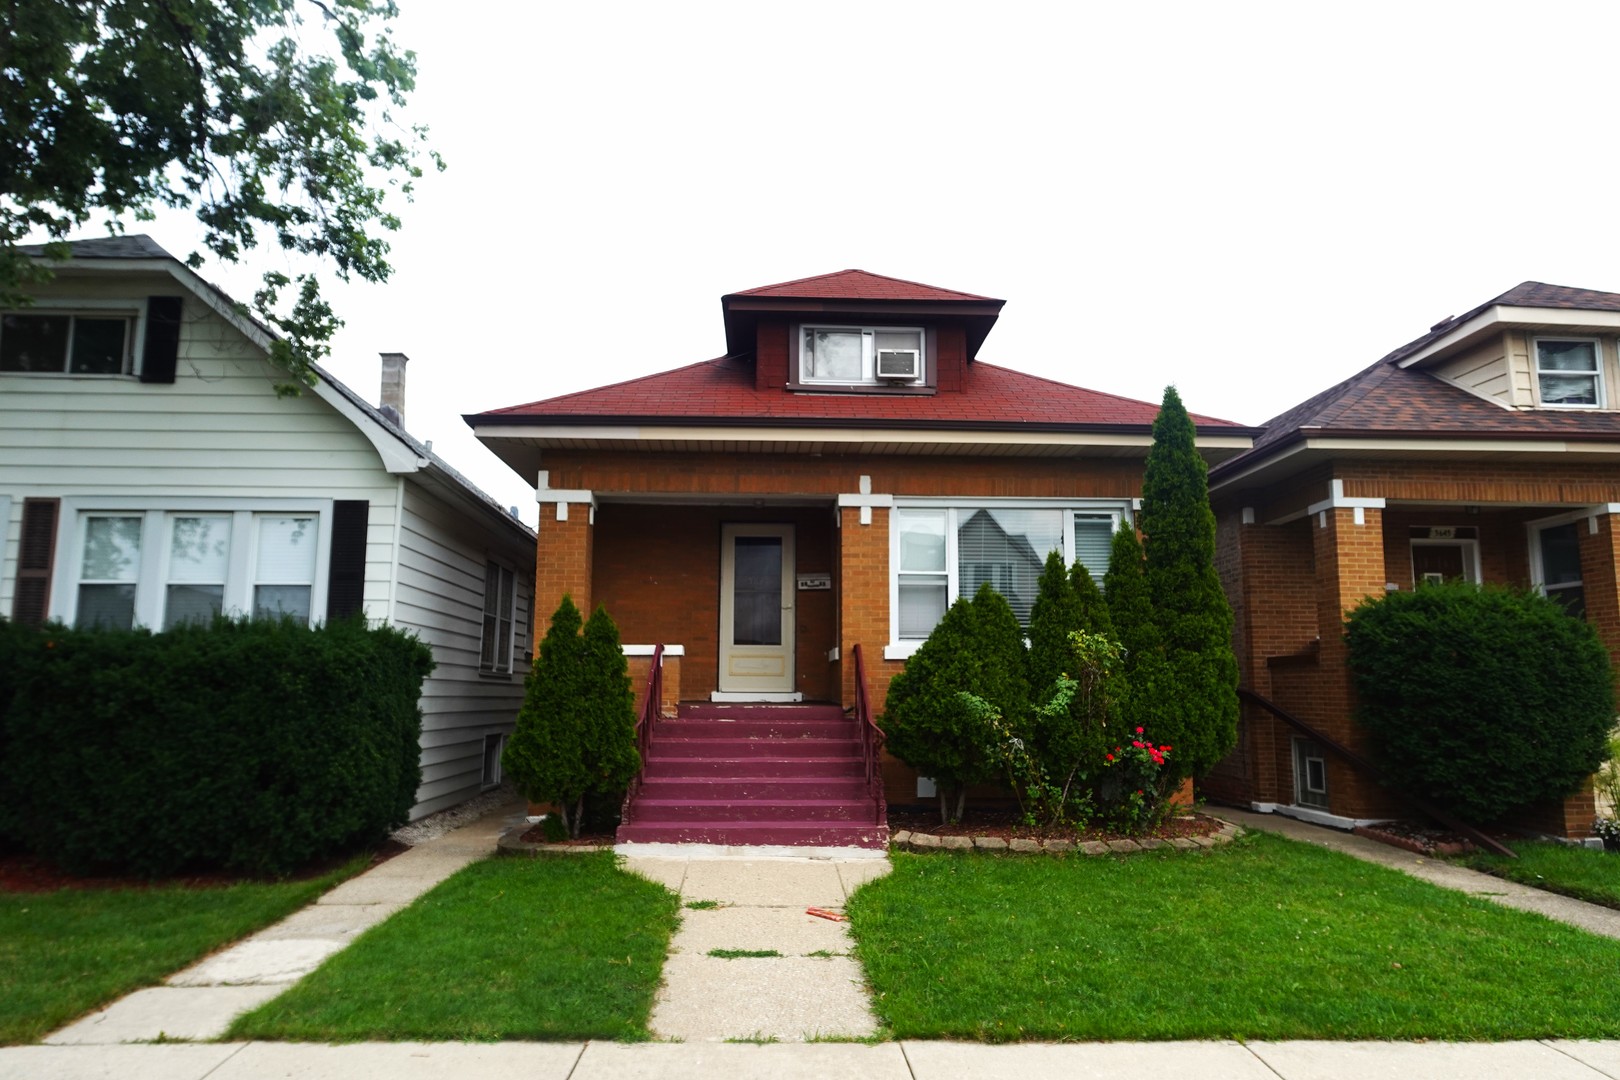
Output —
(757, 590)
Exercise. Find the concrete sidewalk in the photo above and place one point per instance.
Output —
(1592, 918)
(1552, 1060)
(201, 1001)
(812, 988)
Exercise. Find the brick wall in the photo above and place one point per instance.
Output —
(562, 564)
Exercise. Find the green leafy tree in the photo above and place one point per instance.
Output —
(1194, 695)
(545, 757)
(940, 710)
(265, 117)
(1486, 701)
(607, 705)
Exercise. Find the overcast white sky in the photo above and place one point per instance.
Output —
(1250, 201)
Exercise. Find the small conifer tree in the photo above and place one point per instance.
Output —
(975, 655)
(1094, 617)
(1195, 701)
(545, 757)
(1130, 610)
(1055, 615)
(608, 708)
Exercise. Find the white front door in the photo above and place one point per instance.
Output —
(756, 612)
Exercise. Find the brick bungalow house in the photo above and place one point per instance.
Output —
(1487, 449)
(842, 473)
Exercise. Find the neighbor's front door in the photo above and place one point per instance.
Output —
(756, 610)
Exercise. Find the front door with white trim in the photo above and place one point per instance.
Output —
(756, 613)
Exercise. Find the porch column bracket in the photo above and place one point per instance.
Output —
(545, 493)
(1337, 500)
(866, 500)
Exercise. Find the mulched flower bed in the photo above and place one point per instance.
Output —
(536, 834)
(1004, 825)
(32, 874)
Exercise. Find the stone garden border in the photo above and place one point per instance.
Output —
(916, 841)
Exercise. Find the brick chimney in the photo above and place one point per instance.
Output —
(391, 399)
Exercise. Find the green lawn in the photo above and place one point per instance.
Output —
(1583, 873)
(565, 947)
(1264, 939)
(65, 953)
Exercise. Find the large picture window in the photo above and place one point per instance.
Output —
(940, 553)
(166, 568)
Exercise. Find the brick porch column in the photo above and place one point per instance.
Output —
(863, 589)
(562, 560)
(1348, 545)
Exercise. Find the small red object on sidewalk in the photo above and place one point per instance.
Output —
(823, 913)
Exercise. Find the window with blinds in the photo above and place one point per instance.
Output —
(943, 553)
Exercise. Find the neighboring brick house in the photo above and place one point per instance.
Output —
(1486, 449)
(838, 477)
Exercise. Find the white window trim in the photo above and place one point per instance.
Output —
(99, 307)
(485, 780)
(1600, 391)
(1533, 530)
(151, 582)
(512, 621)
(903, 648)
(1471, 571)
(868, 355)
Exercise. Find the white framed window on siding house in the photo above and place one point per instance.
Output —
(1555, 563)
(142, 563)
(1569, 372)
(495, 648)
(940, 552)
(88, 338)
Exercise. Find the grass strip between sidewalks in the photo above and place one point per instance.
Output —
(1584, 873)
(1265, 939)
(67, 952)
(560, 947)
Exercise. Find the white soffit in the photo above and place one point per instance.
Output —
(1501, 317)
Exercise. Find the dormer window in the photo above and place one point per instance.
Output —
(66, 343)
(1569, 372)
(861, 356)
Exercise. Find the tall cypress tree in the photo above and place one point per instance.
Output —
(1056, 613)
(1093, 606)
(545, 757)
(1130, 609)
(1195, 698)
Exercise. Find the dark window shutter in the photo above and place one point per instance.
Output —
(34, 558)
(346, 578)
(162, 349)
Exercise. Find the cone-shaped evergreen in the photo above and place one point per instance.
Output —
(1055, 615)
(1195, 701)
(977, 649)
(1131, 611)
(608, 708)
(1094, 616)
(544, 758)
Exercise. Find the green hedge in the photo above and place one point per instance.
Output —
(1484, 701)
(247, 746)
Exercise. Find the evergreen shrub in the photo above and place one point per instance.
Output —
(1483, 700)
(250, 747)
(935, 718)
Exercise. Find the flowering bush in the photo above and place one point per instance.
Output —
(1129, 788)
(1608, 830)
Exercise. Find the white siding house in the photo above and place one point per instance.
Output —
(149, 474)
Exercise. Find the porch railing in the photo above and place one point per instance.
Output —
(652, 707)
(1359, 762)
(871, 740)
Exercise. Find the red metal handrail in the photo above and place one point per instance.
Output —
(652, 707)
(872, 739)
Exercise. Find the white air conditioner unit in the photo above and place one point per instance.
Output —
(899, 364)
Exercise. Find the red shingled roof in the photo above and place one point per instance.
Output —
(858, 285)
(723, 391)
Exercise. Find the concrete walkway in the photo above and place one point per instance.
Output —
(1552, 1060)
(201, 1001)
(1589, 917)
(811, 989)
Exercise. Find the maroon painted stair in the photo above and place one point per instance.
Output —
(754, 775)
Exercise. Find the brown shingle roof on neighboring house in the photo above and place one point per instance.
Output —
(1387, 400)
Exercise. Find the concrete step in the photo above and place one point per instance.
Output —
(784, 833)
(753, 767)
(704, 710)
(783, 728)
(736, 789)
(666, 746)
(761, 811)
